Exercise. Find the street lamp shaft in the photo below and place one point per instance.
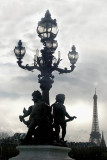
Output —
(45, 96)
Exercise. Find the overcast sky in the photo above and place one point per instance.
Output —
(82, 23)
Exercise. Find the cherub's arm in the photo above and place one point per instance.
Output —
(26, 113)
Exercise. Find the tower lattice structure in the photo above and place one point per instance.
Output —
(95, 136)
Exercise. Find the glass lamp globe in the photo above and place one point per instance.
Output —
(47, 27)
(51, 44)
(73, 55)
(19, 50)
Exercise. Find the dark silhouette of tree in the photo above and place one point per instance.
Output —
(89, 153)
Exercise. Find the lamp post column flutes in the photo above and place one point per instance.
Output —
(45, 85)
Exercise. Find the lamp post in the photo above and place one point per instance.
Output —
(46, 63)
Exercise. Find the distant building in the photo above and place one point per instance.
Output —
(95, 136)
(80, 144)
(15, 139)
(18, 137)
(103, 143)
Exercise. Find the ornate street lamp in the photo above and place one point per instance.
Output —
(73, 55)
(46, 63)
(47, 28)
(19, 51)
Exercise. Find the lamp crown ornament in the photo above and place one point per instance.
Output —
(20, 43)
(73, 48)
(47, 15)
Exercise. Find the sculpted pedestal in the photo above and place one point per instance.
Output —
(42, 152)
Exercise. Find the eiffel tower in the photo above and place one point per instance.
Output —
(95, 136)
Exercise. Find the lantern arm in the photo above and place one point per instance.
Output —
(19, 62)
(27, 67)
(31, 68)
(65, 70)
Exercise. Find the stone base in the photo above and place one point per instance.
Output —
(42, 152)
